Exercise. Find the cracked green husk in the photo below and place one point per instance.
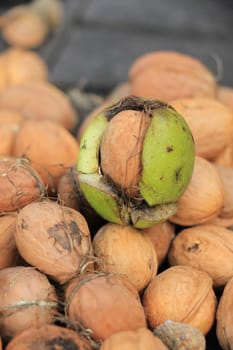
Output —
(167, 165)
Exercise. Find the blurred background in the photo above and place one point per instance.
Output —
(98, 40)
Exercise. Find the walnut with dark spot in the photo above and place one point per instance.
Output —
(54, 239)
(206, 247)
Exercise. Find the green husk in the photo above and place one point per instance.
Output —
(167, 165)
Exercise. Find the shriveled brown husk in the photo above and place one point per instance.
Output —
(180, 336)
(203, 198)
(168, 75)
(210, 121)
(55, 239)
(161, 235)
(49, 337)
(125, 250)
(104, 304)
(139, 339)
(27, 299)
(8, 250)
(50, 148)
(224, 317)
(20, 184)
(181, 294)
(206, 247)
(40, 100)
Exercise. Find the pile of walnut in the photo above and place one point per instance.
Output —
(70, 279)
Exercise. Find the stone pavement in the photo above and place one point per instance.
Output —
(99, 40)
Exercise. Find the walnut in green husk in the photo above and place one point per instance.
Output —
(136, 159)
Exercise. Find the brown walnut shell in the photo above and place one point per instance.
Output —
(224, 317)
(53, 238)
(23, 27)
(182, 294)
(27, 299)
(140, 339)
(125, 250)
(40, 100)
(226, 174)
(225, 95)
(161, 235)
(104, 304)
(8, 249)
(123, 164)
(168, 75)
(226, 156)
(225, 217)
(50, 148)
(203, 198)
(49, 337)
(208, 119)
(20, 65)
(206, 247)
(10, 122)
(20, 184)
